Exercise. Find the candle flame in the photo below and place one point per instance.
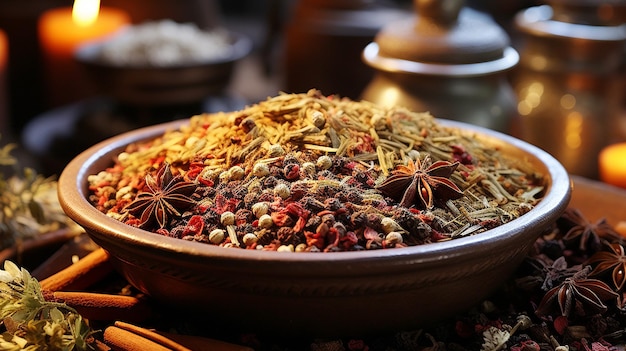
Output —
(85, 12)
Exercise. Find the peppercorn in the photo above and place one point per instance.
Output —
(292, 171)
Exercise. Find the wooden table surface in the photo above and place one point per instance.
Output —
(598, 200)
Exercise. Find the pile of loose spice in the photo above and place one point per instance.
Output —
(308, 172)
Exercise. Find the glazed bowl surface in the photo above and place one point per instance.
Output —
(322, 294)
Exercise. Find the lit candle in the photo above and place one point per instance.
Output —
(612, 165)
(4, 51)
(61, 31)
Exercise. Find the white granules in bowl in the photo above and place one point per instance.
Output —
(165, 43)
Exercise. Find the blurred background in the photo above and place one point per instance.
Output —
(548, 72)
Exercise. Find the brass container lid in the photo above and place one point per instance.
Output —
(442, 37)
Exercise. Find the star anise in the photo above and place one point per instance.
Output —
(613, 260)
(165, 196)
(581, 229)
(421, 183)
(552, 272)
(577, 295)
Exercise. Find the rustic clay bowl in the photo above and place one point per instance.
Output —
(323, 294)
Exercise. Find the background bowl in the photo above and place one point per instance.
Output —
(322, 294)
(167, 85)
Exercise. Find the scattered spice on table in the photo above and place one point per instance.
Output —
(307, 172)
(564, 296)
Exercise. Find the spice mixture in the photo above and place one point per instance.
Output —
(307, 172)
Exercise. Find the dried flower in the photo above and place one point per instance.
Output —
(494, 339)
(32, 323)
(29, 204)
(420, 183)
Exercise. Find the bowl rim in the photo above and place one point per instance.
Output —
(73, 199)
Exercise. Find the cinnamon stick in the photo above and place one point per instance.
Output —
(105, 307)
(178, 342)
(119, 339)
(82, 274)
(200, 343)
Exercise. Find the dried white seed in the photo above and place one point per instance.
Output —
(389, 225)
(276, 150)
(216, 236)
(224, 177)
(324, 162)
(249, 239)
(265, 221)
(285, 248)
(318, 119)
(260, 169)
(236, 173)
(282, 190)
(414, 155)
(227, 218)
(308, 169)
(393, 238)
(260, 208)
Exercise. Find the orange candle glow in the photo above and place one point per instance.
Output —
(61, 31)
(4, 51)
(612, 165)
(4, 59)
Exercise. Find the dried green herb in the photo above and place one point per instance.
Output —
(32, 323)
(28, 203)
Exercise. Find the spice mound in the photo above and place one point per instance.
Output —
(315, 173)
